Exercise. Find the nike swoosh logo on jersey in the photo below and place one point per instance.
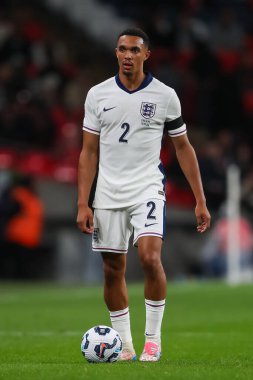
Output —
(108, 109)
(151, 224)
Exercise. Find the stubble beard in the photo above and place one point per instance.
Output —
(127, 73)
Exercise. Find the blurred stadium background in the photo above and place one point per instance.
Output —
(51, 53)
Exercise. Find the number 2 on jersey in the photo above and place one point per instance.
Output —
(151, 211)
(126, 128)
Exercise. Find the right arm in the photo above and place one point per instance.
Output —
(87, 168)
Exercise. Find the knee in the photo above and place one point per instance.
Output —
(150, 260)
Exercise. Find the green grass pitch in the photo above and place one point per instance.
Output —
(207, 332)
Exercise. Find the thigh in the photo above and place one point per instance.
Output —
(149, 219)
(112, 231)
(114, 262)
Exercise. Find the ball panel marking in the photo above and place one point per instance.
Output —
(101, 344)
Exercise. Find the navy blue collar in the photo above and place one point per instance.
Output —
(145, 83)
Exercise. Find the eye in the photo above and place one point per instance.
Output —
(122, 49)
(135, 50)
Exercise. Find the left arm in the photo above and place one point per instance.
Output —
(189, 164)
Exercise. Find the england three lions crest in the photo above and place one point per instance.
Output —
(147, 110)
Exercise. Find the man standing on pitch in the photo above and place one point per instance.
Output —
(125, 117)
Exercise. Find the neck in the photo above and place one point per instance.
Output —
(132, 82)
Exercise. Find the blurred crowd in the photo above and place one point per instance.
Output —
(46, 69)
(202, 48)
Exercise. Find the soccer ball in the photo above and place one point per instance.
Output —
(101, 344)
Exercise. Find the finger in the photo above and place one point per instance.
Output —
(203, 225)
(202, 229)
(87, 230)
(207, 220)
(90, 223)
(200, 220)
(83, 228)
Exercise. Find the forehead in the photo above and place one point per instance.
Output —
(131, 41)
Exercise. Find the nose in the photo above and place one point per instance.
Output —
(128, 54)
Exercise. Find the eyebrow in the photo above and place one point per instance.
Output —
(132, 47)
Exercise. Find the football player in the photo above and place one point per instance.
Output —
(125, 117)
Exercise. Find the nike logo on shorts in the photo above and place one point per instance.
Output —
(151, 224)
(108, 109)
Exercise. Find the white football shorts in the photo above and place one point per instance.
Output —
(113, 228)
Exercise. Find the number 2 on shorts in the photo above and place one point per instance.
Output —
(152, 206)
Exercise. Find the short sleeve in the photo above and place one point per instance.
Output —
(174, 122)
(90, 122)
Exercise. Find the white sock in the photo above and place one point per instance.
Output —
(154, 316)
(120, 321)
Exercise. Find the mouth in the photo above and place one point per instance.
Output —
(127, 65)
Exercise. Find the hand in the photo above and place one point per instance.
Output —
(84, 220)
(203, 217)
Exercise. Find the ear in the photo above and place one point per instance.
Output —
(147, 55)
(116, 52)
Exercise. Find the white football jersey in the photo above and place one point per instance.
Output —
(130, 125)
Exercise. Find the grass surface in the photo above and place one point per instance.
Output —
(207, 333)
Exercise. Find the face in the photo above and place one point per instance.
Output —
(131, 53)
